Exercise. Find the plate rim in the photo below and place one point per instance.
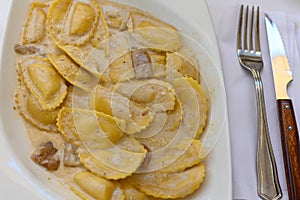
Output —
(9, 150)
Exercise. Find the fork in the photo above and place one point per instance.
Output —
(250, 57)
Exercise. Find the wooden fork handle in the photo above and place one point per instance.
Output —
(290, 146)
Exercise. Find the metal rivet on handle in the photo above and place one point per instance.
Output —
(290, 128)
(287, 107)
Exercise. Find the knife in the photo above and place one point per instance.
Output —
(282, 75)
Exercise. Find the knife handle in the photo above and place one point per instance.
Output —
(290, 146)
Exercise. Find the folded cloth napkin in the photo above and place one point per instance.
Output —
(241, 94)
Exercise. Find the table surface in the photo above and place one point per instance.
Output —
(288, 6)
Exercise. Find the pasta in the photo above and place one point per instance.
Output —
(126, 106)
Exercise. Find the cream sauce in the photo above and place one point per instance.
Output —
(112, 12)
(37, 137)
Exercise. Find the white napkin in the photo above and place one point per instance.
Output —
(241, 95)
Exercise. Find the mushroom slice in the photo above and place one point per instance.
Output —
(43, 81)
(158, 60)
(72, 72)
(149, 32)
(32, 111)
(151, 92)
(179, 63)
(169, 185)
(92, 186)
(148, 63)
(137, 116)
(35, 27)
(26, 49)
(47, 156)
(142, 64)
(71, 158)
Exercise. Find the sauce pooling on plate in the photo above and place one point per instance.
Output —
(112, 100)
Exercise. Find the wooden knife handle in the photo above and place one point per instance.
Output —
(290, 147)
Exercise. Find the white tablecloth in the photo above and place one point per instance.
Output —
(241, 96)
(241, 93)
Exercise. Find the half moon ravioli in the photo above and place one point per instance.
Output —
(131, 193)
(200, 97)
(36, 38)
(72, 72)
(188, 90)
(92, 59)
(74, 123)
(81, 22)
(86, 42)
(179, 66)
(169, 185)
(99, 135)
(151, 92)
(33, 112)
(193, 155)
(72, 22)
(56, 16)
(190, 127)
(35, 27)
(163, 129)
(97, 167)
(149, 32)
(91, 186)
(43, 81)
(137, 116)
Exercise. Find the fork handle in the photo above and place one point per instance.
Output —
(267, 176)
(290, 146)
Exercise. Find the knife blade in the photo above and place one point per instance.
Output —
(282, 76)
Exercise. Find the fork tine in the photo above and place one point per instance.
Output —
(239, 34)
(257, 36)
(246, 28)
(251, 42)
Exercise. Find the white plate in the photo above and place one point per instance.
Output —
(21, 178)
